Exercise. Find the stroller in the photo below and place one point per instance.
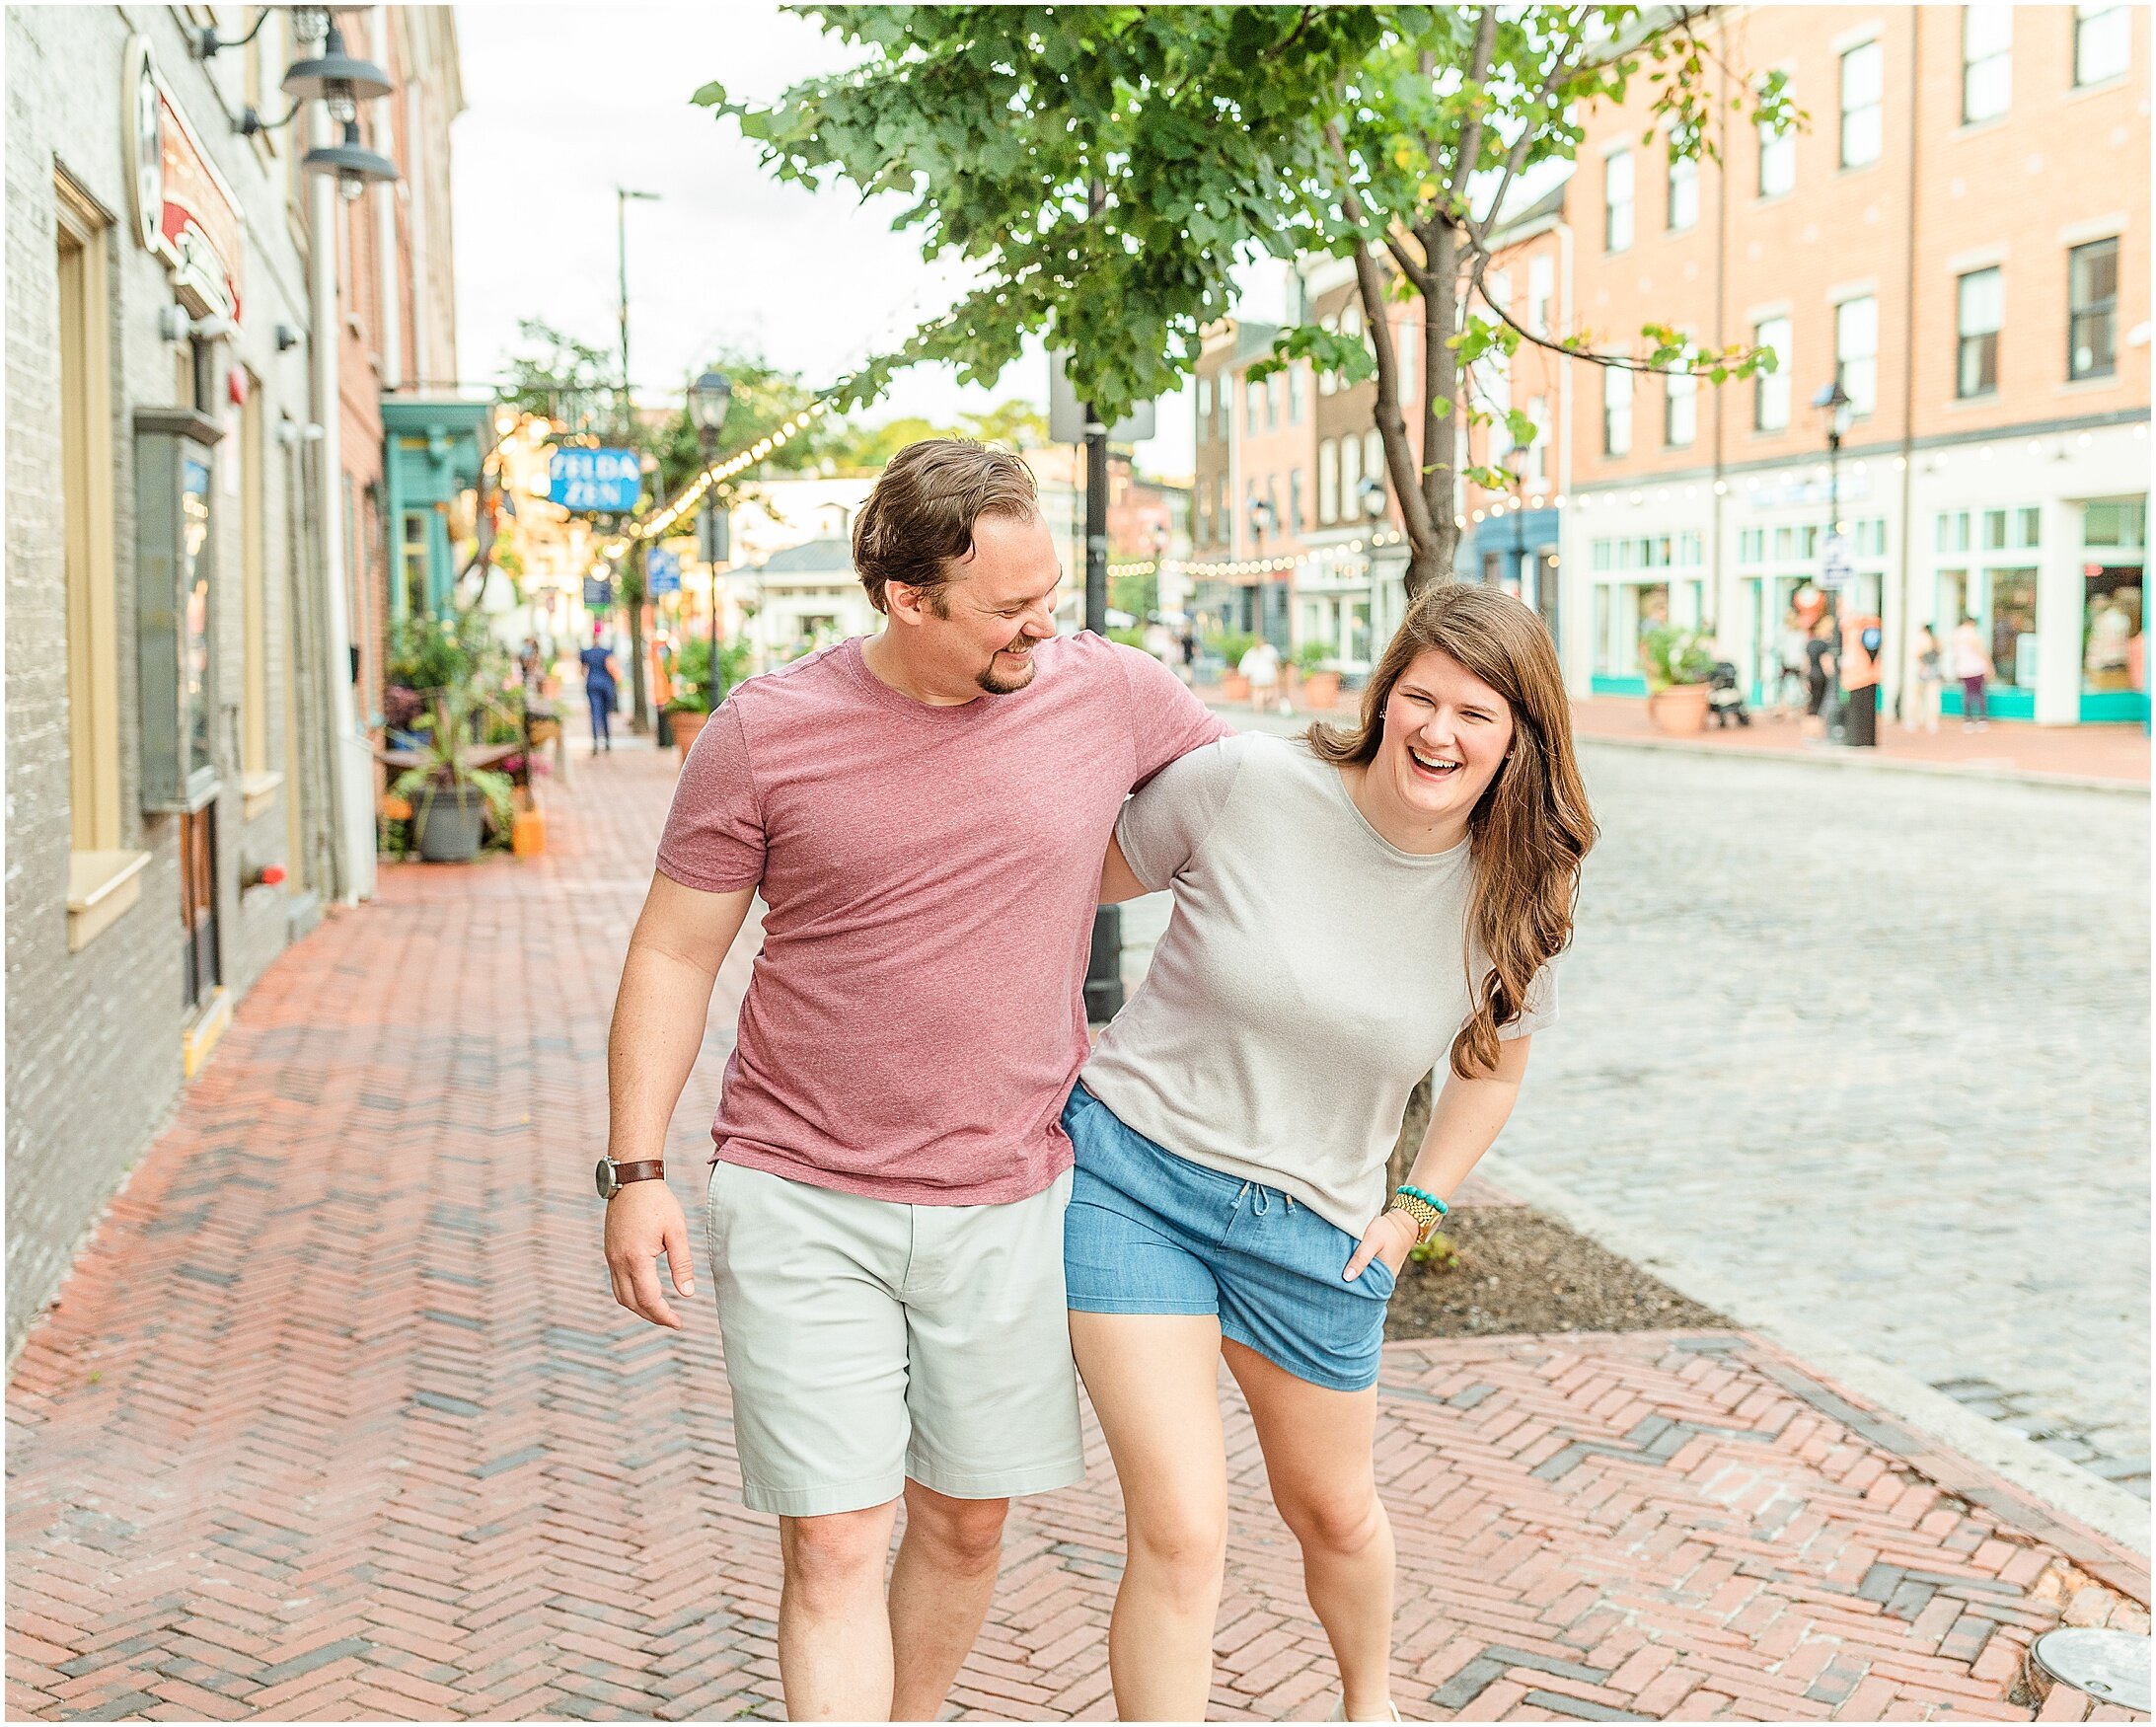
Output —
(1725, 701)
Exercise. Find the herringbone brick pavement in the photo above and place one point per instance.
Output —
(335, 1419)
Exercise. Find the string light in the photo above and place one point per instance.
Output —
(651, 527)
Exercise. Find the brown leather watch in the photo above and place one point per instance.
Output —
(613, 1177)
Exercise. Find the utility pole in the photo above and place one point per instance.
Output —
(622, 195)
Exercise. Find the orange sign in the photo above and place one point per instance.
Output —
(184, 211)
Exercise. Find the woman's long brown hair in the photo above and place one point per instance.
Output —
(1531, 829)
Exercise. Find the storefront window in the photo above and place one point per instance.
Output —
(2014, 627)
(2113, 575)
(1623, 614)
(1359, 631)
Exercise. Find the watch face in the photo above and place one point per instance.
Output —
(608, 1186)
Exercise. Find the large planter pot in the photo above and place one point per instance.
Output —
(1320, 689)
(448, 821)
(686, 727)
(1235, 687)
(1680, 709)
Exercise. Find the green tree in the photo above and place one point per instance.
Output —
(1103, 167)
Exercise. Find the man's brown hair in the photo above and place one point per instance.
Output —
(920, 517)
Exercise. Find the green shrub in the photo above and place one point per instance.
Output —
(1671, 655)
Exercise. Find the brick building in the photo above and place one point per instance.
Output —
(1960, 239)
(1958, 236)
(180, 733)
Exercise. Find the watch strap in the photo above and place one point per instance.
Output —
(649, 1170)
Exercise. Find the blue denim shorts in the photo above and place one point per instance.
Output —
(1151, 1232)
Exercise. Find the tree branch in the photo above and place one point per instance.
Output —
(1515, 158)
(1470, 142)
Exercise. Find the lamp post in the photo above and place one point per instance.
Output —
(1834, 411)
(709, 397)
(622, 195)
(1372, 496)
(1264, 519)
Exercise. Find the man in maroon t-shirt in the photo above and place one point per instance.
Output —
(924, 813)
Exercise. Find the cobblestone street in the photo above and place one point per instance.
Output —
(335, 1419)
(1878, 1043)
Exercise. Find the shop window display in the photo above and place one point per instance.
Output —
(2114, 570)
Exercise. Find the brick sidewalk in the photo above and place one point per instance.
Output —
(336, 1419)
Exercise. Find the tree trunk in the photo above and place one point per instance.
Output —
(1414, 1123)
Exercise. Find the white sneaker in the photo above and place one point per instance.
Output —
(1340, 1708)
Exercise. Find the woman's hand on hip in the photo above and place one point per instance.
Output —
(1391, 1234)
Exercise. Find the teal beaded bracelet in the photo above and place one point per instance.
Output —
(1431, 1199)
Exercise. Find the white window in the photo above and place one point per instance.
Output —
(1770, 390)
(1778, 161)
(1253, 394)
(1541, 293)
(1863, 91)
(1683, 192)
(1538, 469)
(2101, 43)
(1205, 408)
(1351, 475)
(1979, 303)
(1328, 481)
(1987, 63)
(1856, 351)
(1617, 200)
(1493, 383)
(1616, 411)
(1499, 285)
(1295, 395)
(1326, 382)
(1680, 410)
(1373, 456)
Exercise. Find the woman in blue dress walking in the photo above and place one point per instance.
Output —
(600, 690)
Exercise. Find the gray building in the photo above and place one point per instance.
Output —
(170, 706)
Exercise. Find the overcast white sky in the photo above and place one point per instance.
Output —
(566, 103)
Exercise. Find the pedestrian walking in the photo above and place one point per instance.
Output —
(1973, 666)
(602, 689)
(1260, 664)
(1186, 641)
(1414, 874)
(528, 665)
(924, 813)
(1791, 681)
(1818, 674)
(1929, 682)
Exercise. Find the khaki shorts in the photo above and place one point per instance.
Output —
(870, 1341)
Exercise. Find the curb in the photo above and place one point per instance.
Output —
(2052, 1481)
(1849, 759)
(1861, 760)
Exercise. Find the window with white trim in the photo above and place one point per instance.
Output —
(1616, 411)
(1328, 480)
(1863, 99)
(1988, 62)
(1617, 200)
(1980, 302)
(2103, 43)
(2091, 292)
(1770, 390)
(1856, 352)
(1683, 203)
(1680, 410)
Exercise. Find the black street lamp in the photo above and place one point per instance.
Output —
(709, 397)
(1514, 465)
(1834, 410)
(1264, 519)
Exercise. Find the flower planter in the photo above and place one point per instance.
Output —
(448, 821)
(1680, 709)
(1235, 687)
(1320, 689)
(686, 727)
(528, 835)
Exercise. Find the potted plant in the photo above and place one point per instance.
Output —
(1677, 663)
(1230, 648)
(692, 703)
(1320, 688)
(452, 788)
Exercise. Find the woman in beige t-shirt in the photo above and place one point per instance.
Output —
(1350, 911)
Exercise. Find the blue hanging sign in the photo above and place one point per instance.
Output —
(608, 481)
(599, 592)
(663, 572)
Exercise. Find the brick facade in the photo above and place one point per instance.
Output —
(96, 1035)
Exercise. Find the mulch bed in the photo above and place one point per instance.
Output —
(1520, 1271)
